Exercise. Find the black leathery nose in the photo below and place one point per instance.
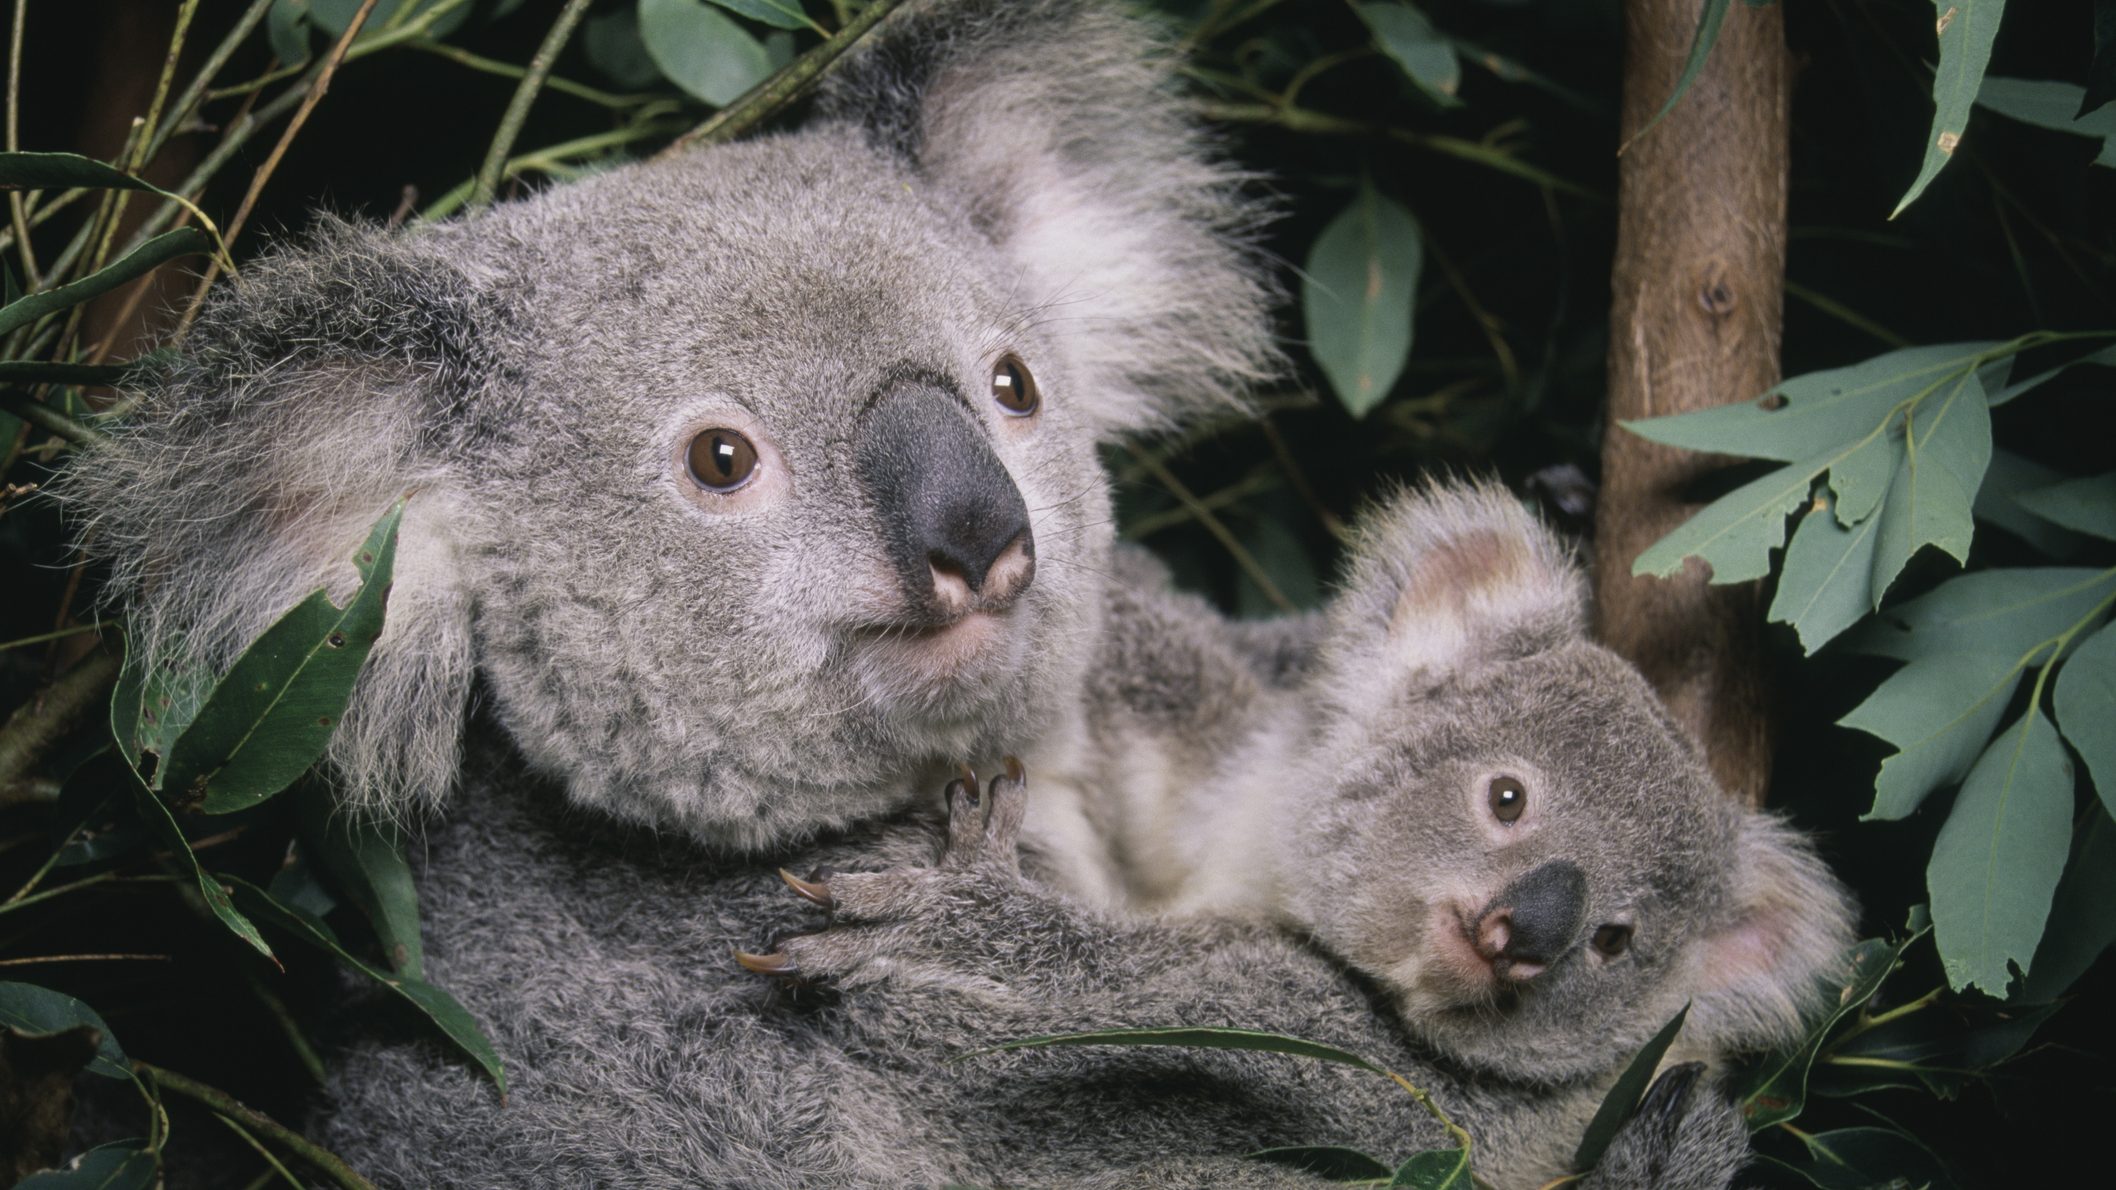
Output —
(943, 498)
(1547, 903)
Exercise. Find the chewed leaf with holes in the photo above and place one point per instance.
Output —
(1826, 584)
(1947, 439)
(1997, 860)
(1966, 29)
(271, 714)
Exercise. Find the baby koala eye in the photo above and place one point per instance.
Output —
(1507, 798)
(722, 460)
(1013, 387)
(1612, 940)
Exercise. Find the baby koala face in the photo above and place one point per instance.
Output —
(1512, 836)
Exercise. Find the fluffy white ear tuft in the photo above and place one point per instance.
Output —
(1758, 973)
(1452, 576)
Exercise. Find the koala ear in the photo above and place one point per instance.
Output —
(1051, 124)
(1454, 575)
(1759, 971)
(314, 393)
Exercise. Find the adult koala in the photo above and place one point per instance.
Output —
(750, 490)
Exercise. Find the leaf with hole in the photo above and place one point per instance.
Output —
(287, 31)
(39, 1011)
(1426, 55)
(271, 715)
(1966, 29)
(1997, 860)
(1825, 584)
(1356, 296)
(702, 50)
(1622, 1099)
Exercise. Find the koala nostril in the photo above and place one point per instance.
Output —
(1494, 932)
(1542, 911)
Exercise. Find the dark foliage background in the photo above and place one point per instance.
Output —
(1514, 191)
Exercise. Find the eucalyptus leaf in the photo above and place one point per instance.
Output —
(287, 31)
(1966, 29)
(163, 826)
(1711, 14)
(1623, 1097)
(1736, 533)
(1356, 296)
(702, 50)
(2086, 505)
(2085, 702)
(1938, 1051)
(2101, 72)
(38, 1011)
(1997, 503)
(452, 1018)
(1427, 56)
(779, 14)
(153, 702)
(1825, 584)
(119, 1165)
(1997, 860)
(271, 715)
(1777, 1091)
(2052, 105)
(160, 250)
(1939, 713)
(2005, 613)
(1868, 1158)
(1434, 1169)
(366, 860)
(611, 41)
(1948, 442)
(2082, 915)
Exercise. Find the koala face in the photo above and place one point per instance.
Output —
(1514, 837)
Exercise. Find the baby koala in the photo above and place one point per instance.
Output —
(1445, 785)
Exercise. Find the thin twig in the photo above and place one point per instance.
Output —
(478, 62)
(319, 1158)
(249, 1139)
(1213, 525)
(191, 96)
(760, 101)
(49, 714)
(153, 119)
(510, 127)
(37, 960)
(50, 420)
(16, 213)
(41, 637)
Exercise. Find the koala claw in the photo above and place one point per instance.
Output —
(1670, 1092)
(776, 963)
(814, 891)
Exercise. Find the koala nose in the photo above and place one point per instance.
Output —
(954, 525)
(1533, 920)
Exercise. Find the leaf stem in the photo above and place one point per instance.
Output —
(321, 1159)
(510, 127)
(17, 214)
(1213, 525)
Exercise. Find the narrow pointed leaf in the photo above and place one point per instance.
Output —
(1966, 29)
(1997, 860)
(1710, 16)
(366, 862)
(1825, 584)
(2085, 702)
(1426, 55)
(1356, 298)
(273, 712)
(1939, 713)
(39, 1011)
(1868, 1158)
(441, 1008)
(2051, 105)
(2004, 392)
(1622, 1099)
(2086, 505)
(1777, 1091)
(163, 826)
(119, 1165)
(144, 259)
(1948, 444)
(1434, 1169)
(153, 702)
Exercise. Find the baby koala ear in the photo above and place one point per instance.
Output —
(1452, 576)
(1759, 971)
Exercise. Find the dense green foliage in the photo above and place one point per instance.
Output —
(1930, 502)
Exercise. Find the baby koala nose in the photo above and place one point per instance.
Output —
(1533, 920)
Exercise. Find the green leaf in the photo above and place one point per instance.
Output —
(611, 41)
(1434, 1169)
(1868, 1159)
(2051, 105)
(152, 704)
(441, 1008)
(27, 1008)
(1938, 713)
(1623, 1097)
(1333, 1162)
(1996, 862)
(1999, 613)
(1200, 1037)
(1777, 1091)
(1426, 55)
(272, 713)
(2085, 702)
(2101, 72)
(2086, 505)
(1816, 412)
(702, 50)
(147, 257)
(1966, 28)
(2001, 393)
(1937, 1051)
(159, 821)
(1736, 533)
(1356, 297)
(779, 14)
(1710, 17)
(1826, 583)
(17, 371)
(1997, 503)
(1948, 442)
(366, 861)
(286, 30)
(2082, 915)
(119, 1165)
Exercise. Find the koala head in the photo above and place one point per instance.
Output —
(742, 483)
(1515, 839)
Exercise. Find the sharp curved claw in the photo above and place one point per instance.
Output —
(1015, 772)
(814, 893)
(967, 778)
(767, 964)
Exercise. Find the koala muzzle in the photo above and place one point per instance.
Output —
(954, 524)
(1533, 921)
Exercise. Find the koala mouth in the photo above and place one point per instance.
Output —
(930, 659)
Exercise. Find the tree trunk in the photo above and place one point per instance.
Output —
(1698, 295)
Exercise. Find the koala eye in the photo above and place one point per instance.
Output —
(722, 460)
(1507, 798)
(1612, 940)
(1013, 387)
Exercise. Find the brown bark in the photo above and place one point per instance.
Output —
(1695, 318)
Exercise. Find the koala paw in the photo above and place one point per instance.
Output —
(1684, 1136)
(956, 922)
